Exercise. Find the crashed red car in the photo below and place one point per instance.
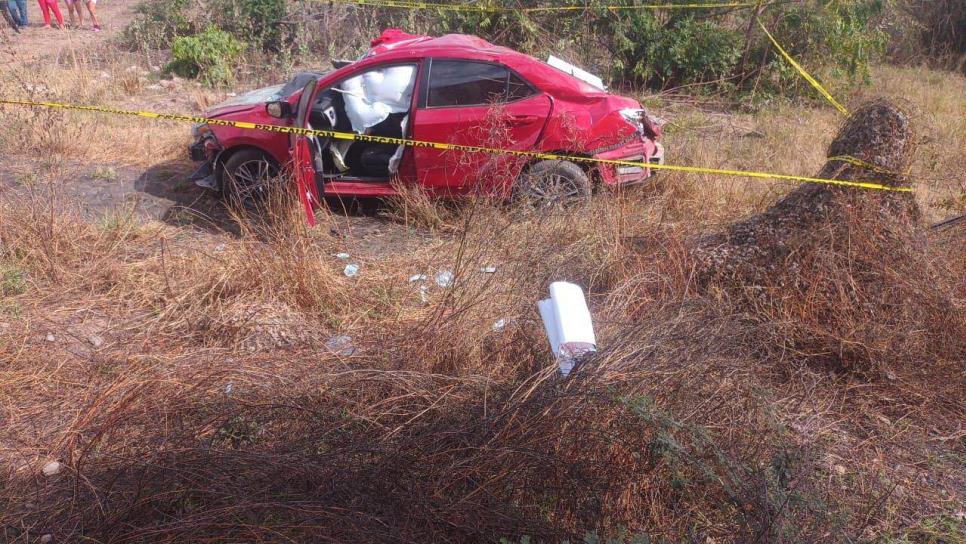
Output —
(454, 89)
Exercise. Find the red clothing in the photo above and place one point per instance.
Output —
(46, 6)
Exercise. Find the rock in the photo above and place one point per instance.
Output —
(154, 87)
(96, 341)
(52, 468)
(168, 83)
(51, 337)
(840, 470)
(47, 539)
(340, 345)
(766, 245)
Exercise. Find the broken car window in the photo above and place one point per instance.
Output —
(517, 88)
(460, 83)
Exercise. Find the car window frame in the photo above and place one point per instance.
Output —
(423, 102)
(330, 82)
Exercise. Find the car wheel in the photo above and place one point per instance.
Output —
(250, 176)
(552, 184)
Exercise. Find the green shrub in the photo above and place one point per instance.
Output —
(158, 23)
(257, 20)
(667, 48)
(12, 280)
(207, 56)
(679, 52)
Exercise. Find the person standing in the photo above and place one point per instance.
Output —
(92, 9)
(18, 9)
(74, 6)
(46, 6)
(5, 12)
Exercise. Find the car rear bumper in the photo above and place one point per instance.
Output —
(641, 154)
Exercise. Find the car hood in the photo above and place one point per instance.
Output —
(246, 101)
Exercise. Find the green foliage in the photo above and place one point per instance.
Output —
(12, 280)
(158, 23)
(258, 21)
(208, 56)
(839, 36)
(679, 52)
(662, 49)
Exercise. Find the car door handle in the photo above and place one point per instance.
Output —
(515, 120)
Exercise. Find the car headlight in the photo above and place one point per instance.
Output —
(200, 129)
(634, 116)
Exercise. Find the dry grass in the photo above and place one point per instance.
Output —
(191, 393)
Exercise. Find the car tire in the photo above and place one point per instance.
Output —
(552, 184)
(249, 176)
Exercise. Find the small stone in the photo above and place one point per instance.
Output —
(341, 345)
(96, 341)
(51, 337)
(52, 468)
(47, 539)
(840, 470)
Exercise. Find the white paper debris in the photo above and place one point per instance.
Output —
(444, 278)
(488, 269)
(499, 325)
(351, 270)
(568, 324)
(342, 256)
(417, 277)
(52, 468)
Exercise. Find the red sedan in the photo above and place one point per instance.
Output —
(454, 89)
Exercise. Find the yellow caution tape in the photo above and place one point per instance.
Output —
(808, 77)
(412, 4)
(456, 147)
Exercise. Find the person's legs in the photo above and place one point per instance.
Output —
(73, 7)
(45, 11)
(21, 6)
(92, 8)
(56, 9)
(10, 13)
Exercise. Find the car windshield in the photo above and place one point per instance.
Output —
(297, 83)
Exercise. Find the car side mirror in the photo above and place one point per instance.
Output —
(279, 109)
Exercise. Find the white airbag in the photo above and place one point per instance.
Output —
(371, 97)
